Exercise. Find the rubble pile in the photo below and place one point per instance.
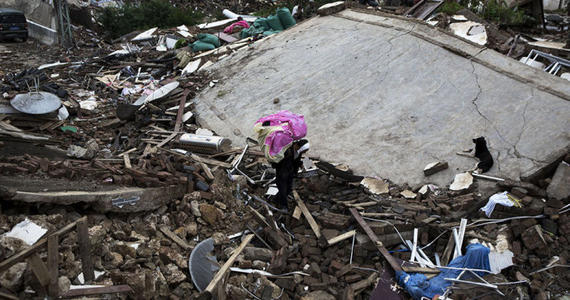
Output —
(154, 184)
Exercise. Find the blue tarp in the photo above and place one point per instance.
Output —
(417, 285)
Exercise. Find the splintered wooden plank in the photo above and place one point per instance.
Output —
(39, 269)
(307, 214)
(180, 112)
(14, 259)
(297, 213)
(53, 265)
(226, 37)
(375, 240)
(220, 274)
(174, 237)
(207, 171)
(85, 251)
(8, 296)
(127, 161)
(259, 217)
(341, 237)
(98, 291)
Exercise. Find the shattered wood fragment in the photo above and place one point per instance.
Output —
(409, 269)
(39, 269)
(361, 285)
(85, 251)
(97, 291)
(180, 112)
(174, 237)
(341, 237)
(8, 296)
(279, 261)
(127, 161)
(210, 161)
(307, 214)
(227, 264)
(207, 171)
(297, 213)
(375, 240)
(333, 220)
(435, 167)
(259, 237)
(16, 258)
(259, 216)
(53, 265)
(165, 141)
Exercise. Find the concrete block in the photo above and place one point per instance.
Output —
(559, 187)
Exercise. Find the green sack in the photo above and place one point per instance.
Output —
(270, 32)
(261, 23)
(274, 23)
(209, 38)
(285, 17)
(201, 46)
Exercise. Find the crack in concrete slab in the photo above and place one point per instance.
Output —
(514, 149)
(474, 102)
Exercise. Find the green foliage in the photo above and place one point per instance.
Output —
(310, 7)
(148, 14)
(450, 7)
(490, 10)
(498, 12)
(181, 43)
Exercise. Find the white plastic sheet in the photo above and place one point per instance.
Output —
(27, 231)
(499, 198)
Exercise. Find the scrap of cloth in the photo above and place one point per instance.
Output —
(419, 287)
(241, 23)
(284, 128)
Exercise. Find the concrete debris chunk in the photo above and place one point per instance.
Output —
(462, 181)
(435, 167)
(13, 278)
(331, 8)
(375, 186)
(469, 30)
(408, 194)
(559, 187)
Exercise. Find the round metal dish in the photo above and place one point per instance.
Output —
(36, 103)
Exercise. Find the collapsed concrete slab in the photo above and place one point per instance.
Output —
(387, 96)
(121, 200)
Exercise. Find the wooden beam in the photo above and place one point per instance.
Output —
(259, 237)
(173, 236)
(8, 296)
(359, 286)
(16, 258)
(362, 204)
(448, 250)
(210, 161)
(259, 216)
(307, 214)
(53, 265)
(127, 161)
(341, 237)
(39, 269)
(207, 171)
(420, 270)
(167, 139)
(97, 291)
(297, 213)
(85, 251)
(271, 219)
(181, 107)
(375, 240)
(228, 264)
